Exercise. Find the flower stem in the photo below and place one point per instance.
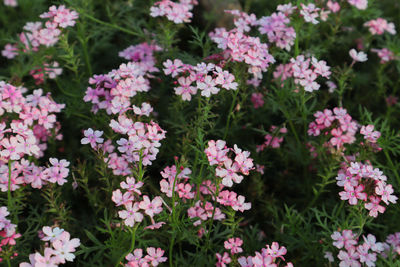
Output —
(230, 113)
(133, 231)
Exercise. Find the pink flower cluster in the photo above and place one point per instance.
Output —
(271, 256)
(178, 12)
(365, 183)
(257, 99)
(242, 48)
(276, 27)
(49, 71)
(143, 53)
(242, 20)
(154, 257)
(60, 250)
(354, 254)
(36, 35)
(384, 54)
(180, 179)
(25, 172)
(143, 140)
(7, 232)
(229, 170)
(28, 123)
(202, 211)
(379, 26)
(209, 78)
(12, 3)
(134, 208)
(273, 139)
(371, 136)
(114, 91)
(310, 13)
(338, 124)
(360, 4)
(306, 71)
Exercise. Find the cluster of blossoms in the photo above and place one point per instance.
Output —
(310, 13)
(229, 170)
(305, 72)
(365, 183)
(49, 71)
(179, 178)
(273, 139)
(270, 256)
(12, 3)
(384, 54)
(178, 12)
(353, 253)
(143, 53)
(276, 27)
(114, 91)
(208, 78)
(338, 123)
(35, 35)
(59, 248)
(379, 26)
(154, 257)
(26, 135)
(143, 141)
(7, 233)
(24, 172)
(134, 208)
(240, 47)
(360, 4)
(257, 99)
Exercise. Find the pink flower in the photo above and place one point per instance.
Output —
(173, 68)
(349, 258)
(92, 137)
(360, 4)
(275, 251)
(344, 239)
(379, 26)
(310, 13)
(385, 191)
(223, 260)
(358, 56)
(333, 6)
(234, 245)
(185, 89)
(9, 51)
(64, 247)
(12, 3)
(155, 256)
(353, 194)
(131, 214)
(257, 100)
(384, 54)
(207, 86)
(374, 206)
(151, 207)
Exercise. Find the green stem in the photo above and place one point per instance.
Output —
(230, 113)
(173, 219)
(9, 197)
(133, 231)
(392, 166)
(109, 24)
